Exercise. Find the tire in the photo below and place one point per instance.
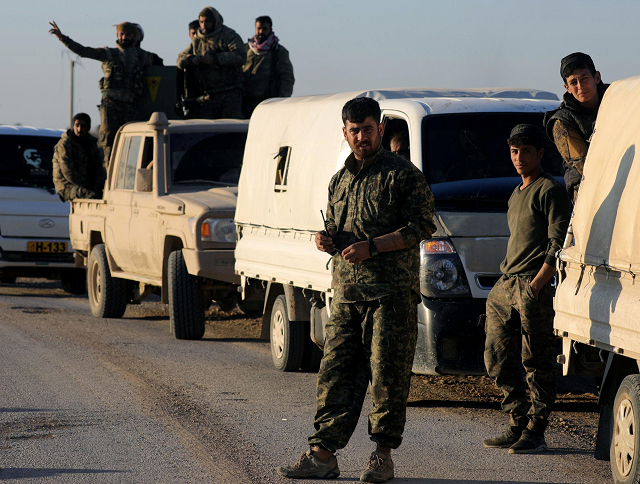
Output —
(8, 279)
(107, 295)
(312, 354)
(625, 439)
(186, 310)
(287, 338)
(74, 281)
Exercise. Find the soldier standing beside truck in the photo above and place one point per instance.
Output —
(215, 58)
(78, 171)
(570, 126)
(520, 305)
(380, 208)
(268, 71)
(123, 82)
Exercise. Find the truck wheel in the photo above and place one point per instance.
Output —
(107, 295)
(186, 310)
(625, 442)
(312, 354)
(74, 281)
(287, 338)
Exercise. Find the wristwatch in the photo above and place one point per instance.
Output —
(373, 250)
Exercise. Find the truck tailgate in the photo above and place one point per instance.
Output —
(86, 216)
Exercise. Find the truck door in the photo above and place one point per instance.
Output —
(119, 202)
(145, 224)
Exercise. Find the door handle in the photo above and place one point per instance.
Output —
(111, 209)
(134, 203)
(136, 211)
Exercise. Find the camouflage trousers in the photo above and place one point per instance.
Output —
(371, 341)
(223, 105)
(113, 114)
(520, 331)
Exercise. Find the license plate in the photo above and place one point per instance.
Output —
(55, 247)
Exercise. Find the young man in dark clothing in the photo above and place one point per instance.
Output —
(380, 208)
(520, 305)
(570, 126)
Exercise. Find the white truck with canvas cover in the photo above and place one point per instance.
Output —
(165, 222)
(458, 140)
(34, 222)
(597, 301)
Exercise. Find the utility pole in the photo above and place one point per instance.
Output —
(73, 63)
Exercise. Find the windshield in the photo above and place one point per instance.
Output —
(206, 158)
(26, 161)
(466, 158)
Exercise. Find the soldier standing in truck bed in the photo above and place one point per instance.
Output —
(123, 82)
(268, 71)
(215, 58)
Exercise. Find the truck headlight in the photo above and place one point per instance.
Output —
(215, 229)
(441, 271)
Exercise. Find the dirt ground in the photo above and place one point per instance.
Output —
(575, 412)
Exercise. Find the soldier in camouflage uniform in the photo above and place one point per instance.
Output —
(520, 305)
(268, 71)
(380, 208)
(570, 126)
(123, 82)
(78, 171)
(215, 58)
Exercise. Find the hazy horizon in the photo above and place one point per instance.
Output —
(334, 46)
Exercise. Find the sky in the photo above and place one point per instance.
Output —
(334, 45)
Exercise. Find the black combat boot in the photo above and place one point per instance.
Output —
(506, 440)
(530, 442)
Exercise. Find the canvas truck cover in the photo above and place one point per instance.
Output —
(606, 221)
(311, 127)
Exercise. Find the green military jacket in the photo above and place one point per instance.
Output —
(75, 173)
(227, 49)
(389, 194)
(123, 68)
(268, 75)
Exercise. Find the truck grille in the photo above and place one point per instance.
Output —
(36, 257)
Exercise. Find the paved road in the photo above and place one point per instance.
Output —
(121, 401)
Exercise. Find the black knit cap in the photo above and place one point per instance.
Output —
(575, 58)
(530, 131)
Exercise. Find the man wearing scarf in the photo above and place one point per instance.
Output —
(78, 171)
(215, 59)
(123, 82)
(268, 71)
(570, 126)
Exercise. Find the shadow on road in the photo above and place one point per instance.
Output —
(28, 472)
(235, 340)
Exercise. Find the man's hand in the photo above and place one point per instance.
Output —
(324, 243)
(535, 289)
(55, 30)
(357, 252)
(206, 59)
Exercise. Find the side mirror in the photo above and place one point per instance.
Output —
(144, 180)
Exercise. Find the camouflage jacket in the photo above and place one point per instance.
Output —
(268, 75)
(123, 68)
(76, 175)
(226, 48)
(389, 195)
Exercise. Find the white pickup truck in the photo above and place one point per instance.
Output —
(34, 223)
(165, 222)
